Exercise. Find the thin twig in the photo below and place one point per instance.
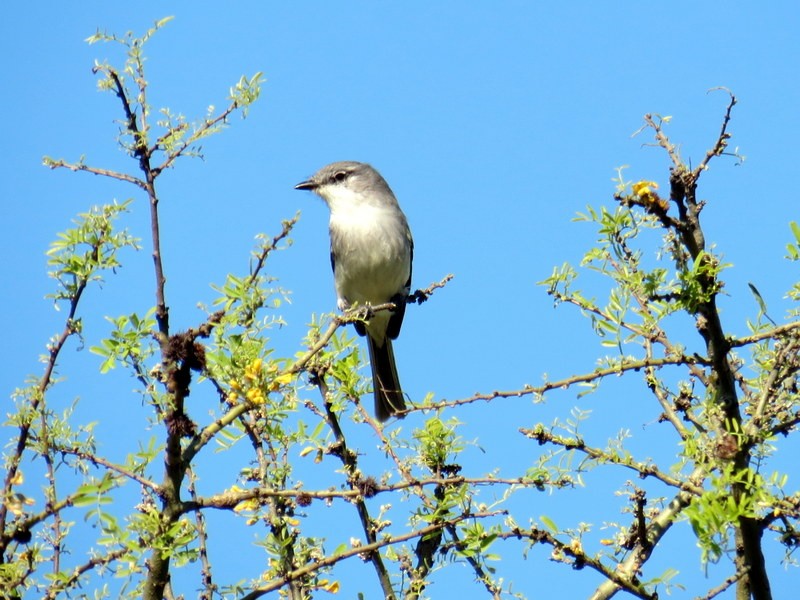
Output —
(208, 586)
(716, 591)
(722, 138)
(56, 164)
(567, 382)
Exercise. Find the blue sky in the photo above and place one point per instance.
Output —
(494, 123)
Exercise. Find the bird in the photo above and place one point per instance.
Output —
(371, 255)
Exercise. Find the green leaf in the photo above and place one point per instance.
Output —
(549, 524)
(795, 230)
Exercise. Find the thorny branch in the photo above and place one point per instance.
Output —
(356, 482)
(364, 550)
(37, 407)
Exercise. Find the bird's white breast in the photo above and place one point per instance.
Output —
(372, 249)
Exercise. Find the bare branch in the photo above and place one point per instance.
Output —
(722, 139)
(75, 167)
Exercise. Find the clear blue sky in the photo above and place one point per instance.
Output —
(494, 123)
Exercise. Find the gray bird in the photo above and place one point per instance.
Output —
(371, 254)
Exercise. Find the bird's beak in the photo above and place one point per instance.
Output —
(306, 185)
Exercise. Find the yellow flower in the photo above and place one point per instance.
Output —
(253, 370)
(256, 396)
(246, 505)
(285, 378)
(280, 380)
(645, 191)
(644, 188)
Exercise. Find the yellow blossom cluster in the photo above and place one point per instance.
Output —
(646, 192)
(644, 189)
(257, 382)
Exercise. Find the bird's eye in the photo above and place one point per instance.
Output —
(340, 176)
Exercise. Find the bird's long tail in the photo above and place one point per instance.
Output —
(388, 395)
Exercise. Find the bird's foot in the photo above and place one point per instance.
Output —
(364, 313)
